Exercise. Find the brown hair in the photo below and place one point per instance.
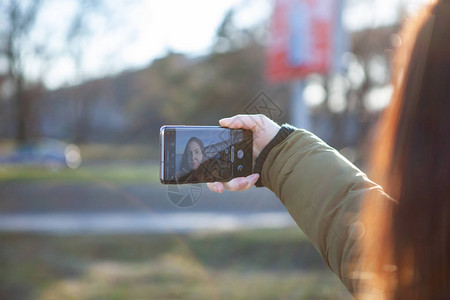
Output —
(406, 248)
(184, 166)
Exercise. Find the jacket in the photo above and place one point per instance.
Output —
(323, 192)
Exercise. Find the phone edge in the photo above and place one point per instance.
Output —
(161, 154)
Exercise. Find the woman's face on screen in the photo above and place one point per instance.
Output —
(195, 155)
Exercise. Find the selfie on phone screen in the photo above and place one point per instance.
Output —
(194, 154)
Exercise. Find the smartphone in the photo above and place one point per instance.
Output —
(195, 154)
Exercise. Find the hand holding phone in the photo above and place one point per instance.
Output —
(195, 154)
(264, 130)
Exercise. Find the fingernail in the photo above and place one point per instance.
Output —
(224, 120)
(217, 189)
(254, 177)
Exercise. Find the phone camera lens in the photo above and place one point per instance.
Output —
(240, 168)
(240, 154)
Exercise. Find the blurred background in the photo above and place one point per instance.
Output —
(85, 86)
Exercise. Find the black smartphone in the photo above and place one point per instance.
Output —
(195, 154)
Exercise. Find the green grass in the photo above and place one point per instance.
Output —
(102, 152)
(114, 172)
(253, 264)
(111, 152)
(112, 163)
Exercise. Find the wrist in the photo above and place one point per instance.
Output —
(263, 136)
(280, 135)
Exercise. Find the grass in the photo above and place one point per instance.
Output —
(253, 264)
(112, 163)
(101, 152)
(114, 172)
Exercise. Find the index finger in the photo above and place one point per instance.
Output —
(241, 121)
(241, 183)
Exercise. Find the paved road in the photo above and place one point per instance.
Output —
(38, 197)
(84, 208)
(134, 222)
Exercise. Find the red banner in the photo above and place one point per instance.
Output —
(301, 38)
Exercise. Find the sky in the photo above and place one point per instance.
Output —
(135, 32)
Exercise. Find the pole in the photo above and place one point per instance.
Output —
(299, 109)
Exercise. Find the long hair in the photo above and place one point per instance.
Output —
(406, 247)
(184, 166)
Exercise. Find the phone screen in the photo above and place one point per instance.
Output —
(194, 154)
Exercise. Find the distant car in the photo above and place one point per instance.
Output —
(46, 152)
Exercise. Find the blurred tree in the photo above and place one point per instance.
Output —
(17, 28)
(18, 19)
(178, 89)
(77, 35)
(230, 37)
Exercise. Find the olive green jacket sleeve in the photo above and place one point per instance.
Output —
(323, 193)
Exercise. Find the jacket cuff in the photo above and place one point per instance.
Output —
(283, 133)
